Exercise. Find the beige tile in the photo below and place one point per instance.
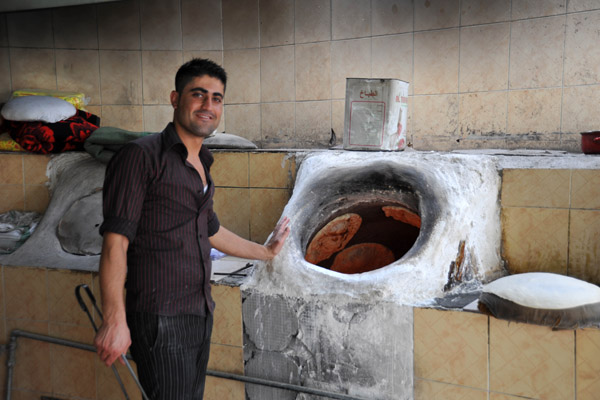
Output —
(312, 21)
(277, 74)
(523, 9)
(584, 249)
(244, 120)
(107, 386)
(121, 77)
(391, 16)
(313, 71)
(230, 169)
(533, 141)
(581, 54)
(32, 371)
(243, 81)
(436, 15)
(313, 123)
(62, 303)
(156, 118)
(536, 188)
(480, 142)
(214, 55)
(159, 69)
(278, 122)
(534, 111)
(227, 329)
(582, 5)
(500, 396)
(73, 370)
(204, 35)
(30, 29)
(588, 363)
(96, 110)
(474, 12)
(218, 388)
(349, 59)
(429, 390)
(5, 81)
(37, 198)
(393, 58)
(350, 19)
(276, 22)
(119, 25)
(226, 359)
(585, 190)
(578, 111)
(483, 113)
(79, 71)
(435, 116)
(18, 394)
(75, 27)
(125, 117)
(161, 24)
(484, 58)
(232, 206)
(338, 111)
(266, 206)
(11, 169)
(32, 68)
(536, 52)
(436, 62)
(12, 197)
(451, 347)
(532, 361)
(240, 24)
(26, 293)
(439, 143)
(270, 170)
(535, 239)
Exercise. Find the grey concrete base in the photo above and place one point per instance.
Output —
(362, 350)
(67, 236)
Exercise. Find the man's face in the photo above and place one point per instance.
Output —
(199, 106)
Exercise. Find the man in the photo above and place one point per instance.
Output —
(159, 227)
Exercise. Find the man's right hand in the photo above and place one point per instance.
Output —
(111, 341)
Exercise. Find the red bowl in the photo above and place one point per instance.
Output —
(590, 142)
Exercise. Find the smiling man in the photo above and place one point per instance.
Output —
(158, 229)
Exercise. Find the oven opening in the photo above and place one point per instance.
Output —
(365, 236)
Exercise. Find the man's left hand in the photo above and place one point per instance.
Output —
(277, 239)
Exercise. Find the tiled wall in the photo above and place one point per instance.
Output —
(42, 301)
(469, 356)
(551, 221)
(23, 182)
(501, 74)
(252, 190)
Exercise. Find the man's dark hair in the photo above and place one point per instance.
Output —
(199, 67)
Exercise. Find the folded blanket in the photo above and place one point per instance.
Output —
(105, 141)
(54, 137)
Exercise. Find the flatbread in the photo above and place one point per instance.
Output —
(402, 214)
(362, 257)
(333, 237)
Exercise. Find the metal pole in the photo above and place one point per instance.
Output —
(288, 386)
(11, 360)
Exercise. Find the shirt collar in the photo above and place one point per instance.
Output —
(171, 140)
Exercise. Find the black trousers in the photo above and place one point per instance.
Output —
(171, 353)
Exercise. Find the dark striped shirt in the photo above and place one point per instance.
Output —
(155, 198)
